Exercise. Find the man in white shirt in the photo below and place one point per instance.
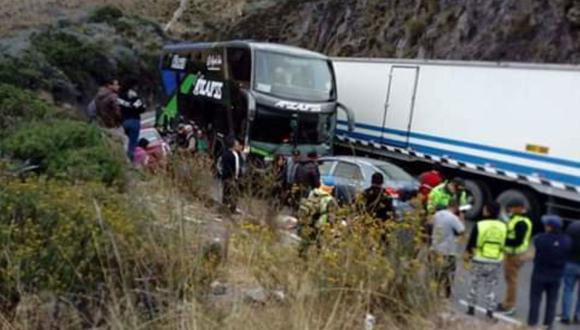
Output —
(447, 227)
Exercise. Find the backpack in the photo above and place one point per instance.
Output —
(310, 209)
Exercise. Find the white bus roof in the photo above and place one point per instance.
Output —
(271, 47)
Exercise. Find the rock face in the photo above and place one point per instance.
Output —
(491, 30)
(70, 59)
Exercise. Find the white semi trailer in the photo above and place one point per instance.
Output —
(512, 130)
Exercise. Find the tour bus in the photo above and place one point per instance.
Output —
(274, 98)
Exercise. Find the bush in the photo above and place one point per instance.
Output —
(58, 237)
(80, 61)
(18, 106)
(68, 149)
(106, 14)
(24, 73)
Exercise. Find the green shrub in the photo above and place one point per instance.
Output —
(68, 149)
(23, 72)
(106, 14)
(18, 106)
(80, 61)
(58, 237)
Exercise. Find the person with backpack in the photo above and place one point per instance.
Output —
(308, 174)
(314, 212)
(486, 248)
(106, 111)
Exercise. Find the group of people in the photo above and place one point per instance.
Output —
(117, 108)
(494, 243)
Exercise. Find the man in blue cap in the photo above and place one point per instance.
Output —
(552, 248)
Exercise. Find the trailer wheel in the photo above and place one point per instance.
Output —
(478, 194)
(530, 201)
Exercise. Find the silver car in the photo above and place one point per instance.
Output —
(352, 175)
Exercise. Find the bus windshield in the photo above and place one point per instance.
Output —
(281, 127)
(300, 78)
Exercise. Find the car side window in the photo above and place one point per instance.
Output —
(348, 171)
(325, 167)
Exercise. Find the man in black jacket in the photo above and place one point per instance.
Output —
(552, 248)
(231, 170)
(308, 174)
(572, 278)
(132, 106)
(377, 202)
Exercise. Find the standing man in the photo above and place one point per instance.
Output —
(293, 168)
(428, 181)
(314, 212)
(517, 244)
(442, 194)
(132, 106)
(308, 175)
(231, 168)
(376, 201)
(447, 227)
(106, 105)
(552, 248)
(486, 247)
(572, 277)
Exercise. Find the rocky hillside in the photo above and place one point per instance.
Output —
(69, 58)
(493, 30)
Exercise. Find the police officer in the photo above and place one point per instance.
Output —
(442, 194)
(486, 247)
(517, 244)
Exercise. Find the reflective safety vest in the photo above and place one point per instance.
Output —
(491, 237)
(439, 198)
(512, 223)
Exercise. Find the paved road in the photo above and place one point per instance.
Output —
(460, 292)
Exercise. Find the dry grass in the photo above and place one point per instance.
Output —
(18, 14)
(352, 274)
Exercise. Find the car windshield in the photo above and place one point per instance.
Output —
(300, 78)
(280, 127)
(394, 172)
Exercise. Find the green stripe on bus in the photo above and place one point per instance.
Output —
(171, 109)
(260, 152)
